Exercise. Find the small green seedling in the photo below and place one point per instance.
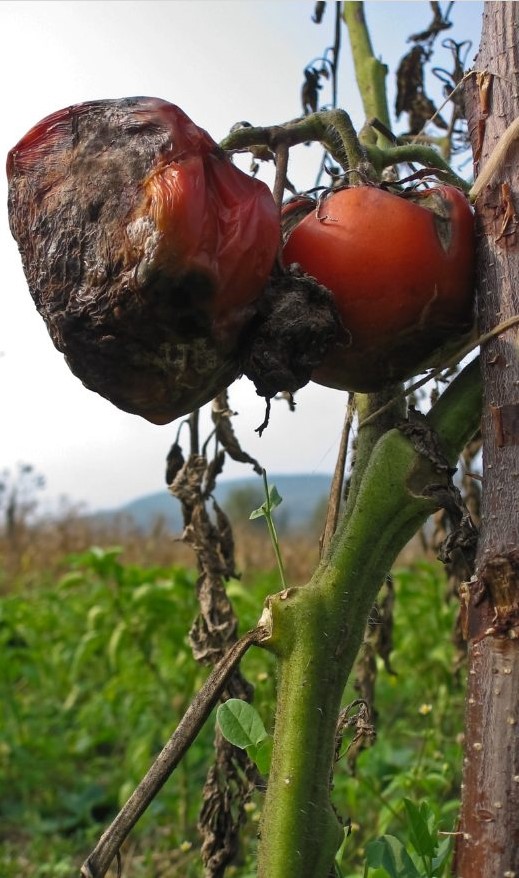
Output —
(272, 500)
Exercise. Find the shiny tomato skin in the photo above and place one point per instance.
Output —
(401, 276)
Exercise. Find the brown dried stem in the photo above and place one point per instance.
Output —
(98, 862)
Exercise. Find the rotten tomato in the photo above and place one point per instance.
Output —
(144, 247)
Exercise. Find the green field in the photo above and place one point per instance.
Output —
(96, 671)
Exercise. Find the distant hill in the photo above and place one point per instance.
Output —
(301, 495)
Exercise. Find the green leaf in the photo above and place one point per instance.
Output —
(444, 851)
(261, 754)
(70, 579)
(419, 835)
(258, 513)
(240, 723)
(274, 497)
(390, 854)
(340, 853)
(94, 615)
(114, 644)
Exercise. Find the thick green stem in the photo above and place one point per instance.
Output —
(333, 128)
(391, 404)
(415, 152)
(317, 631)
(369, 71)
(456, 415)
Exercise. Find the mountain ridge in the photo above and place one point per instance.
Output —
(301, 495)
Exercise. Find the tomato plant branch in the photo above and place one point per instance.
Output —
(333, 128)
(98, 863)
(382, 410)
(416, 152)
(278, 190)
(370, 72)
(335, 131)
(317, 630)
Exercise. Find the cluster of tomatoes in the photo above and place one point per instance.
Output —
(147, 252)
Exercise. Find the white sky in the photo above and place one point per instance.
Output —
(221, 61)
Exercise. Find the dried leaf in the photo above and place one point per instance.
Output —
(186, 484)
(310, 90)
(214, 468)
(364, 735)
(484, 81)
(411, 96)
(438, 24)
(231, 778)
(228, 788)
(509, 214)
(226, 541)
(221, 415)
(174, 462)
(452, 80)
(409, 79)
(319, 10)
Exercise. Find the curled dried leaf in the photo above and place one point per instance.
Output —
(319, 11)
(310, 90)
(439, 23)
(221, 415)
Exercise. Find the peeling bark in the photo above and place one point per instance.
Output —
(489, 842)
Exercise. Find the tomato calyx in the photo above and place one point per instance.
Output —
(297, 322)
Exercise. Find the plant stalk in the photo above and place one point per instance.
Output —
(317, 631)
(333, 128)
(369, 71)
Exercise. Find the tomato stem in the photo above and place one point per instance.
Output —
(370, 71)
(416, 152)
(317, 630)
(333, 128)
(282, 152)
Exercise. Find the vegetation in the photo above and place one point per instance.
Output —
(96, 672)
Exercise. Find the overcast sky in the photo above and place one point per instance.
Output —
(221, 62)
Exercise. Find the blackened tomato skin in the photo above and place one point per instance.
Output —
(145, 250)
(402, 273)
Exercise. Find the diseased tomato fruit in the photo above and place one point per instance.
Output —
(402, 273)
(144, 247)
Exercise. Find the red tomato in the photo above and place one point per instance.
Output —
(144, 247)
(401, 270)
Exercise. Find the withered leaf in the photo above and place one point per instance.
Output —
(214, 468)
(439, 23)
(310, 89)
(174, 462)
(226, 540)
(221, 415)
(319, 10)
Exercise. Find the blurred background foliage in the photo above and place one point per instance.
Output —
(96, 671)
